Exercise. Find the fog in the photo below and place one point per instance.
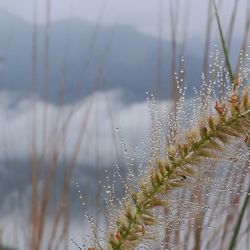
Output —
(102, 114)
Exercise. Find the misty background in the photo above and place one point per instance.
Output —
(74, 81)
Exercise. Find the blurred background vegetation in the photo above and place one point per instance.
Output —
(71, 73)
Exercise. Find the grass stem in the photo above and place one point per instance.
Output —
(239, 221)
(225, 51)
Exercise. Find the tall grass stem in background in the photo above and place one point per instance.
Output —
(223, 43)
(239, 221)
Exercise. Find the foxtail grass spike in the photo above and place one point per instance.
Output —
(171, 173)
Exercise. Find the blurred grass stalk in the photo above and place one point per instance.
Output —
(42, 201)
(233, 241)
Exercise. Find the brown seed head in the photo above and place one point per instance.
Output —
(143, 229)
(220, 108)
(234, 98)
(247, 140)
(236, 81)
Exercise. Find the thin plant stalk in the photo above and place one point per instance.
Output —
(230, 71)
(239, 221)
(231, 24)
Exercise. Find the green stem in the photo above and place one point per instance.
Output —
(239, 221)
(230, 71)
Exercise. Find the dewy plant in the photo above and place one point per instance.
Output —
(232, 120)
(214, 131)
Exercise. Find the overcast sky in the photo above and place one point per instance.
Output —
(142, 14)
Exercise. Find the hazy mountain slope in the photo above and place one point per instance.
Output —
(117, 57)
